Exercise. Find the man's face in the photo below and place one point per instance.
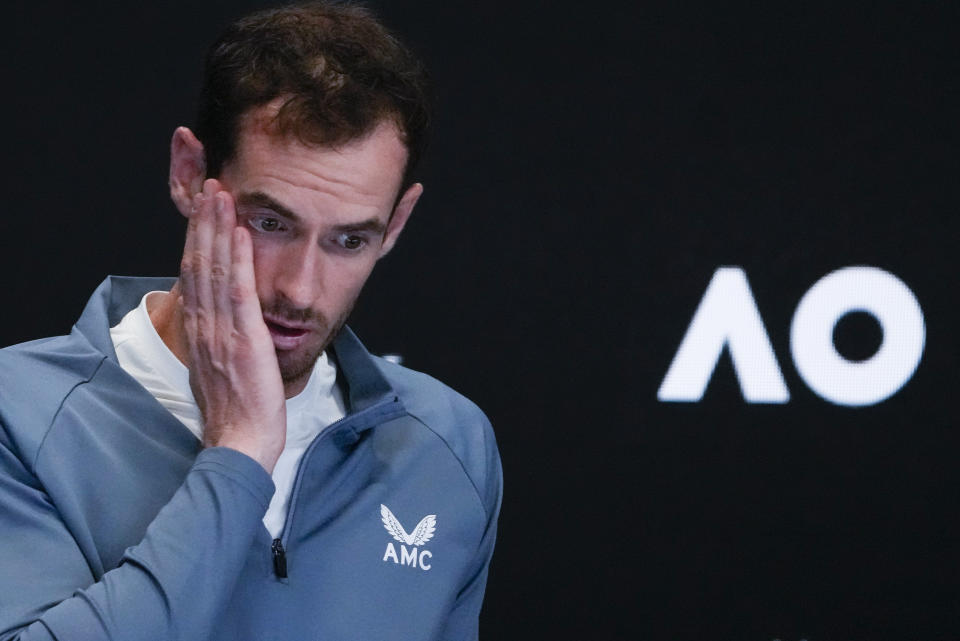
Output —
(319, 219)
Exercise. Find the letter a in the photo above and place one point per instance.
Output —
(727, 316)
(391, 553)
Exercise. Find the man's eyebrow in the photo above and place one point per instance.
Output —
(260, 199)
(371, 225)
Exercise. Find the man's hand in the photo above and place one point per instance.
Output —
(233, 366)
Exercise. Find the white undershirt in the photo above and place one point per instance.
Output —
(144, 355)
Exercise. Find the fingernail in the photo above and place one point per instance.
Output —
(220, 204)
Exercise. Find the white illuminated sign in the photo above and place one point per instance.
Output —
(728, 317)
(857, 289)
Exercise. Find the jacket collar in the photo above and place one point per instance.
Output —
(115, 296)
(364, 383)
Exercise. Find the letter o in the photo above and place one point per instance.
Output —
(883, 296)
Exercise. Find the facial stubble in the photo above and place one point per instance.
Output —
(297, 366)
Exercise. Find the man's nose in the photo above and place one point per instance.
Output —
(299, 278)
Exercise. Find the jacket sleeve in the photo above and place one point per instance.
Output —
(172, 585)
(463, 621)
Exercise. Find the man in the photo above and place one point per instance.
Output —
(218, 457)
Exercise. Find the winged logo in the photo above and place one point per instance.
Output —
(420, 535)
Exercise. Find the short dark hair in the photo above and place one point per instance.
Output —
(339, 71)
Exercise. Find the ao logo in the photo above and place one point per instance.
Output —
(728, 316)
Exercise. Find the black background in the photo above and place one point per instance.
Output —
(591, 166)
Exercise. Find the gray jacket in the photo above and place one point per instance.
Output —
(114, 524)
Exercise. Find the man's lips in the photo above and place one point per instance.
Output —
(286, 335)
(286, 330)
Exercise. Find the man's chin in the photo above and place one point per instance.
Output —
(295, 366)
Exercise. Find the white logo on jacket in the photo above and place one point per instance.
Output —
(413, 556)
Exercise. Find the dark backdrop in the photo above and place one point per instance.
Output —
(592, 165)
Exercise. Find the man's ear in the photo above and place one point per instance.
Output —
(188, 169)
(401, 213)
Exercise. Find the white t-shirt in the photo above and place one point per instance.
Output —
(144, 355)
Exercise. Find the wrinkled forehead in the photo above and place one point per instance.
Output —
(367, 171)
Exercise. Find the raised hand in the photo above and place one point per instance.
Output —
(234, 373)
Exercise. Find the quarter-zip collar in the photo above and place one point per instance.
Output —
(365, 384)
(115, 296)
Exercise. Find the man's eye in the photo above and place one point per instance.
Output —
(263, 223)
(351, 241)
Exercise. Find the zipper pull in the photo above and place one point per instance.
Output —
(279, 559)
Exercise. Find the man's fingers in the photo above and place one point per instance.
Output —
(221, 265)
(188, 279)
(201, 260)
(187, 275)
(243, 284)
